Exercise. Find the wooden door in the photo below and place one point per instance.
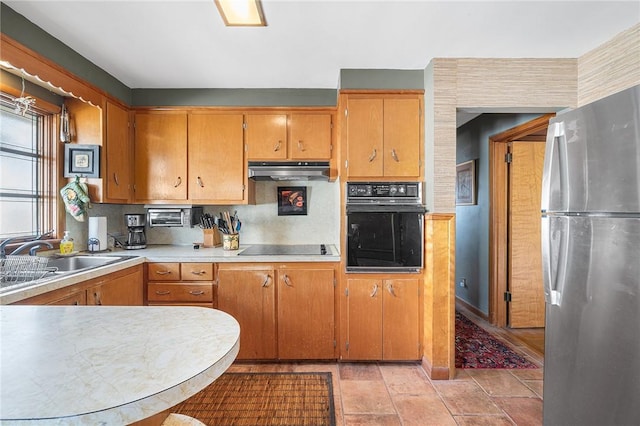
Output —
(118, 174)
(216, 157)
(248, 295)
(365, 137)
(402, 137)
(306, 313)
(400, 323)
(124, 289)
(310, 137)
(526, 308)
(266, 136)
(161, 156)
(364, 319)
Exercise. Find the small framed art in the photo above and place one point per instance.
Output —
(292, 200)
(81, 160)
(466, 183)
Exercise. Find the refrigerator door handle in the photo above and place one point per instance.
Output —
(554, 264)
(555, 154)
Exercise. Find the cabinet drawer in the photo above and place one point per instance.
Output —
(196, 272)
(179, 292)
(164, 271)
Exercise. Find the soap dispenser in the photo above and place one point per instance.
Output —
(66, 245)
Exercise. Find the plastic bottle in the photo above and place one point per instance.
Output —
(66, 245)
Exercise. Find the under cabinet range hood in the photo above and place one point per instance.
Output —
(289, 170)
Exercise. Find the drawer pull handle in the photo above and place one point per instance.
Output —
(266, 281)
(277, 146)
(178, 182)
(115, 179)
(162, 292)
(300, 146)
(287, 281)
(97, 298)
(200, 184)
(196, 292)
(163, 272)
(198, 272)
(394, 156)
(374, 291)
(373, 155)
(390, 290)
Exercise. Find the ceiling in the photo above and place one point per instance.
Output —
(184, 44)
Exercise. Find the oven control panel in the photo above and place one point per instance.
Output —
(404, 192)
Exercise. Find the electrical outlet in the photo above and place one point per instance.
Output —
(463, 283)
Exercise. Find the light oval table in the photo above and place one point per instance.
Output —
(107, 365)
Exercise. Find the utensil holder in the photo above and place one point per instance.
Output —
(211, 238)
(230, 241)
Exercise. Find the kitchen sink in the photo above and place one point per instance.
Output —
(81, 262)
(22, 276)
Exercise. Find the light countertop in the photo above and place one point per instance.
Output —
(156, 253)
(108, 365)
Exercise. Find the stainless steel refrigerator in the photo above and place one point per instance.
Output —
(591, 264)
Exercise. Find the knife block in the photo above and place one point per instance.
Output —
(211, 238)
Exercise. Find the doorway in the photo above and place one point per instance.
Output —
(516, 298)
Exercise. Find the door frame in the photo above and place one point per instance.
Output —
(498, 212)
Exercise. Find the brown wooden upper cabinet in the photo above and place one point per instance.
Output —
(118, 173)
(161, 156)
(384, 136)
(216, 158)
(289, 136)
(108, 127)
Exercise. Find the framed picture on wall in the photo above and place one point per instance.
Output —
(81, 160)
(292, 200)
(466, 183)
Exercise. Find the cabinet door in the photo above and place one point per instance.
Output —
(400, 329)
(402, 137)
(364, 319)
(365, 137)
(310, 137)
(306, 314)
(118, 290)
(216, 157)
(161, 156)
(249, 296)
(266, 136)
(118, 174)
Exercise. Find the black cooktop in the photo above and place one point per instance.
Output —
(286, 250)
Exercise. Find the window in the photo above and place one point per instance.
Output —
(27, 202)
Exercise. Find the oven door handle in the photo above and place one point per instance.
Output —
(377, 208)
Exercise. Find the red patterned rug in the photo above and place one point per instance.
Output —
(476, 348)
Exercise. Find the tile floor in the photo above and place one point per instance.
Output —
(401, 393)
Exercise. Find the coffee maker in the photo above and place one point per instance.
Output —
(136, 238)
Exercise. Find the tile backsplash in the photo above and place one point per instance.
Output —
(260, 222)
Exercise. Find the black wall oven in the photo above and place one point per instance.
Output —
(384, 227)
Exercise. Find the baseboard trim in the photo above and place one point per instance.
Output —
(472, 309)
(435, 373)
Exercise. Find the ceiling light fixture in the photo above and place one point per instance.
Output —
(241, 13)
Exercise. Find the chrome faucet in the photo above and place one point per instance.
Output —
(35, 245)
(3, 253)
(32, 252)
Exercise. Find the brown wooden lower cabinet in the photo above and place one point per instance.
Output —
(382, 319)
(121, 288)
(285, 311)
(247, 293)
(181, 284)
(306, 306)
